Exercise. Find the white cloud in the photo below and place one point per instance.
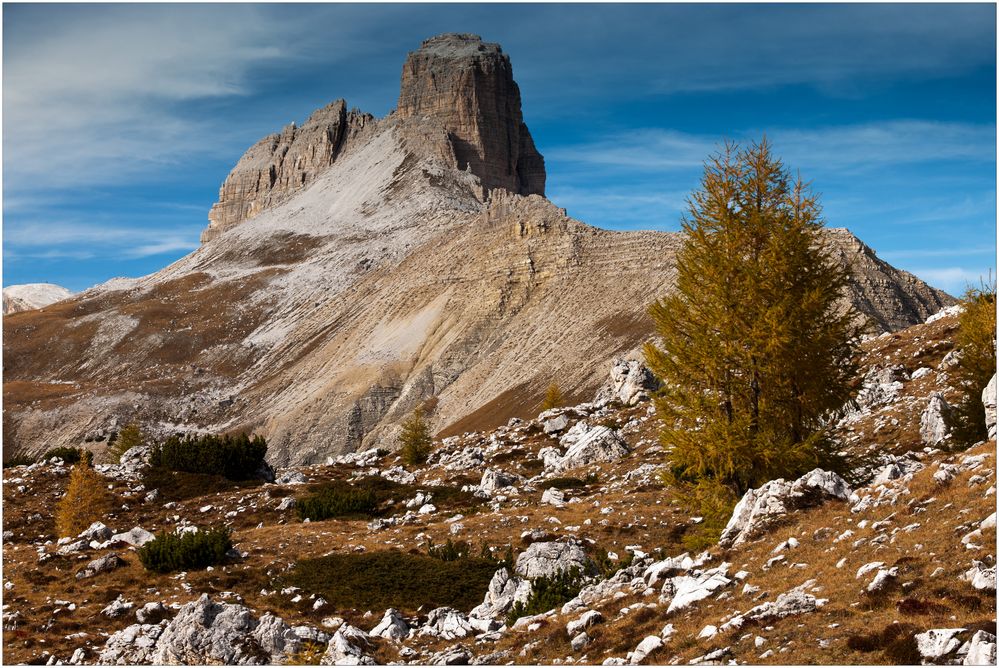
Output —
(842, 148)
(953, 280)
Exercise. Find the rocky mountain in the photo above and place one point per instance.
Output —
(355, 268)
(30, 296)
(894, 566)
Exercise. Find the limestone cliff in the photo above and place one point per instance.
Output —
(280, 164)
(467, 86)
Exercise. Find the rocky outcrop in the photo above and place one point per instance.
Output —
(934, 423)
(467, 86)
(504, 591)
(630, 382)
(550, 559)
(586, 445)
(280, 164)
(762, 507)
(204, 633)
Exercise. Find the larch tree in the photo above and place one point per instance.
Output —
(976, 342)
(553, 398)
(415, 438)
(756, 344)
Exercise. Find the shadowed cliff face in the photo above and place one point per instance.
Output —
(355, 269)
(467, 86)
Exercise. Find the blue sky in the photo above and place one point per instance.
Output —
(121, 121)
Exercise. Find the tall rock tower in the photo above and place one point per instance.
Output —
(467, 86)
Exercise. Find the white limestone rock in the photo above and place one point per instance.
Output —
(934, 423)
(504, 591)
(761, 507)
(549, 559)
(393, 626)
(989, 403)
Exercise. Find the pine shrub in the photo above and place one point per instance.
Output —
(170, 552)
(67, 455)
(337, 501)
(548, 593)
(87, 500)
(449, 551)
(234, 457)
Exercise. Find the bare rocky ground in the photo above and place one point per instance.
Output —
(900, 569)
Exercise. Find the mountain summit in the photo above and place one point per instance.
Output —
(355, 268)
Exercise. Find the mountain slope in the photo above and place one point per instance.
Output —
(356, 268)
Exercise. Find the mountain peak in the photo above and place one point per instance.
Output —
(467, 86)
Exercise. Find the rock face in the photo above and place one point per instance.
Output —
(467, 86)
(30, 296)
(760, 508)
(934, 424)
(278, 165)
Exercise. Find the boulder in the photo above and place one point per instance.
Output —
(760, 508)
(934, 423)
(105, 564)
(989, 403)
(131, 646)
(136, 537)
(347, 648)
(688, 589)
(96, 532)
(493, 480)
(937, 643)
(981, 649)
(447, 623)
(592, 445)
(291, 477)
(549, 559)
(553, 496)
(503, 592)
(583, 622)
(794, 602)
(117, 607)
(459, 655)
(981, 577)
(555, 424)
(134, 460)
(630, 382)
(204, 632)
(152, 613)
(393, 626)
(648, 645)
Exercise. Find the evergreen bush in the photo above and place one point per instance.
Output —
(234, 457)
(548, 593)
(67, 455)
(170, 552)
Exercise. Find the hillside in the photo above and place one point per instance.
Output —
(897, 567)
(355, 268)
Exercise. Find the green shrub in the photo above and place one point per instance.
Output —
(392, 579)
(181, 485)
(548, 593)
(609, 567)
(570, 483)
(67, 455)
(18, 459)
(337, 501)
(235, 457)
(189, 551)
(450, 551)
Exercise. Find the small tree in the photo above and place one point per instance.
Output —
(553, 398)
(86, 500)
(415, 438)
(129, 437)
(757, 344)
(976, 341)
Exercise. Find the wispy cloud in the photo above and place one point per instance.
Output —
(843, 148)
(953, 280)
(83, 240)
